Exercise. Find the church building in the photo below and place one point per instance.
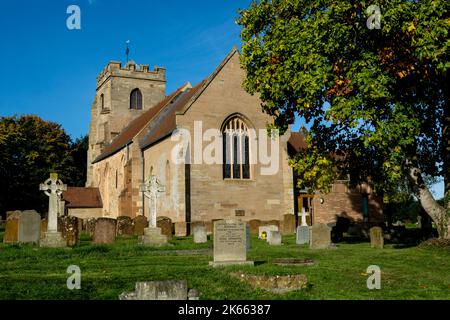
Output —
(207, 145)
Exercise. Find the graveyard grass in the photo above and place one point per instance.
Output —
(28, 272)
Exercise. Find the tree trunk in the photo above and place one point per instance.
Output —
(446, 146)
(437, 212)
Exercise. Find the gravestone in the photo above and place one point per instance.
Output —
(153, 235)
(274, 238)
(90, 226)
(125, 226)
(12, 213)
(376, 238)
(70, 229)
(209, 225)
(44, 226)
(304, 216)
(230, 246)
(11, 235)
(266, 230)
(166, 226)
(139, 224)
(180, 229)
(254, 226)
(158, 290)
(302, 235)
(200, 234)
(320, 236)
(29, 227)
(249, 237)
(105, 231)
(53, 188)
(289, 224)
(272, 223)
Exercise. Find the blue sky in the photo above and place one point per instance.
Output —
(50, 70)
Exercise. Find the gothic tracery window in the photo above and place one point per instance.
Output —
(236, 149)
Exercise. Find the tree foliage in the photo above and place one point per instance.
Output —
(377, 100)
(30, 149)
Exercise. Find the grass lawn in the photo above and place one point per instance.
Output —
(28, 272)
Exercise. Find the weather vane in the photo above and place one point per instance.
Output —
(127, 52)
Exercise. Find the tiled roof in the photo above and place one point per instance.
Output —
(82, 198)
(297, 141)
(127, 135)
(160, 121)
(164, 123)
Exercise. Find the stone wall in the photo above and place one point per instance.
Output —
(105, 179)
(158, 162)
(85, 213)
(346, 203)
(115, 83)
(264, 197)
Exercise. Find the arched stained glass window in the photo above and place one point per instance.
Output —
(236, 149)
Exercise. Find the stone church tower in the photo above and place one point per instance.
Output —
(122, 94)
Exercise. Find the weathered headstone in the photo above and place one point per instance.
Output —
(180, 229)
(105, 231)
(320, 236)
(302, 235)
(376, 238)
(29, 227)
(166, 226)
(254, 226)
(69, 227)
(272, 223)
(200, 235)
(275, 284)
(11, 235)
(53, 188)
(90, 226)
(230, 246)
(139, 224)
(304, 217)
(125, 226)
(12, 213)
(265, 230)
(274, 238)
(44, 226)
(158, 290)
(152, 235)
(289, 224)
(209, 225)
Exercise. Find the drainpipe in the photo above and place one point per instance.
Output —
(143, 181)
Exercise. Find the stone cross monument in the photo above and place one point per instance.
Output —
(53, 188)
(304, 215)
(151, 189)
(153, 235)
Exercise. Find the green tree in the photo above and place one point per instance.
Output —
(377, 99)
(30, 149)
